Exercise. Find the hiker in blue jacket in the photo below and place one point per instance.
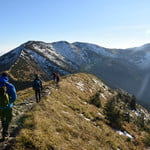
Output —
(37, 87)
(6, 107)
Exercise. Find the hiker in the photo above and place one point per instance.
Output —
(7, 98)
(37, 87)
(56, 78)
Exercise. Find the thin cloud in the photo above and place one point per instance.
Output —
(148, 31)
(132, 27)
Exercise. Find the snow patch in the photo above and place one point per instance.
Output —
(65, 112)
(80, 86)
(136, 113)
(90, 90)
(103, 96)
(125, 133)
(85, 103)
(85, 117)
(100, 114)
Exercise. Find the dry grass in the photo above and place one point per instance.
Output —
(25, 94)
(65, 120)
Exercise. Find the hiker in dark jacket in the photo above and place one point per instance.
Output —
(7, 98)
(37, 87)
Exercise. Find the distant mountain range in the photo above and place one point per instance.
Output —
(128, 69)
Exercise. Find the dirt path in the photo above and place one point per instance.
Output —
(18, 113)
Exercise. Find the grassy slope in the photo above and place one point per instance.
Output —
(65, 120)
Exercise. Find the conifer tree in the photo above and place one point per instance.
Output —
(133, 103)
(112, 114)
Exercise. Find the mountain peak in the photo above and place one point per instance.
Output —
(61, 42)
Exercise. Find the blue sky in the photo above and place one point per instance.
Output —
(108, 23)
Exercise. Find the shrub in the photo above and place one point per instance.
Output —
(133, 103)
(95, 100)
(146, 140)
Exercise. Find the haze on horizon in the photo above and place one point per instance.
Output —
(107, 23)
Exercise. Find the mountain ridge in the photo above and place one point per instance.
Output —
(127, 69)
(68, 118)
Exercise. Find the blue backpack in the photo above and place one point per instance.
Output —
(36, 84)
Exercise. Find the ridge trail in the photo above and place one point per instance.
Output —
(19, 110)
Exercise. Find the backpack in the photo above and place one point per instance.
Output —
(36, 84)
(4, 98)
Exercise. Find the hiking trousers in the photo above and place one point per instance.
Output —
(5, 117)
(38, 95)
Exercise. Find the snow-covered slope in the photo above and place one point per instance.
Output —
(138, 56)
(81, 53)
(45, 55)
(141, 56)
